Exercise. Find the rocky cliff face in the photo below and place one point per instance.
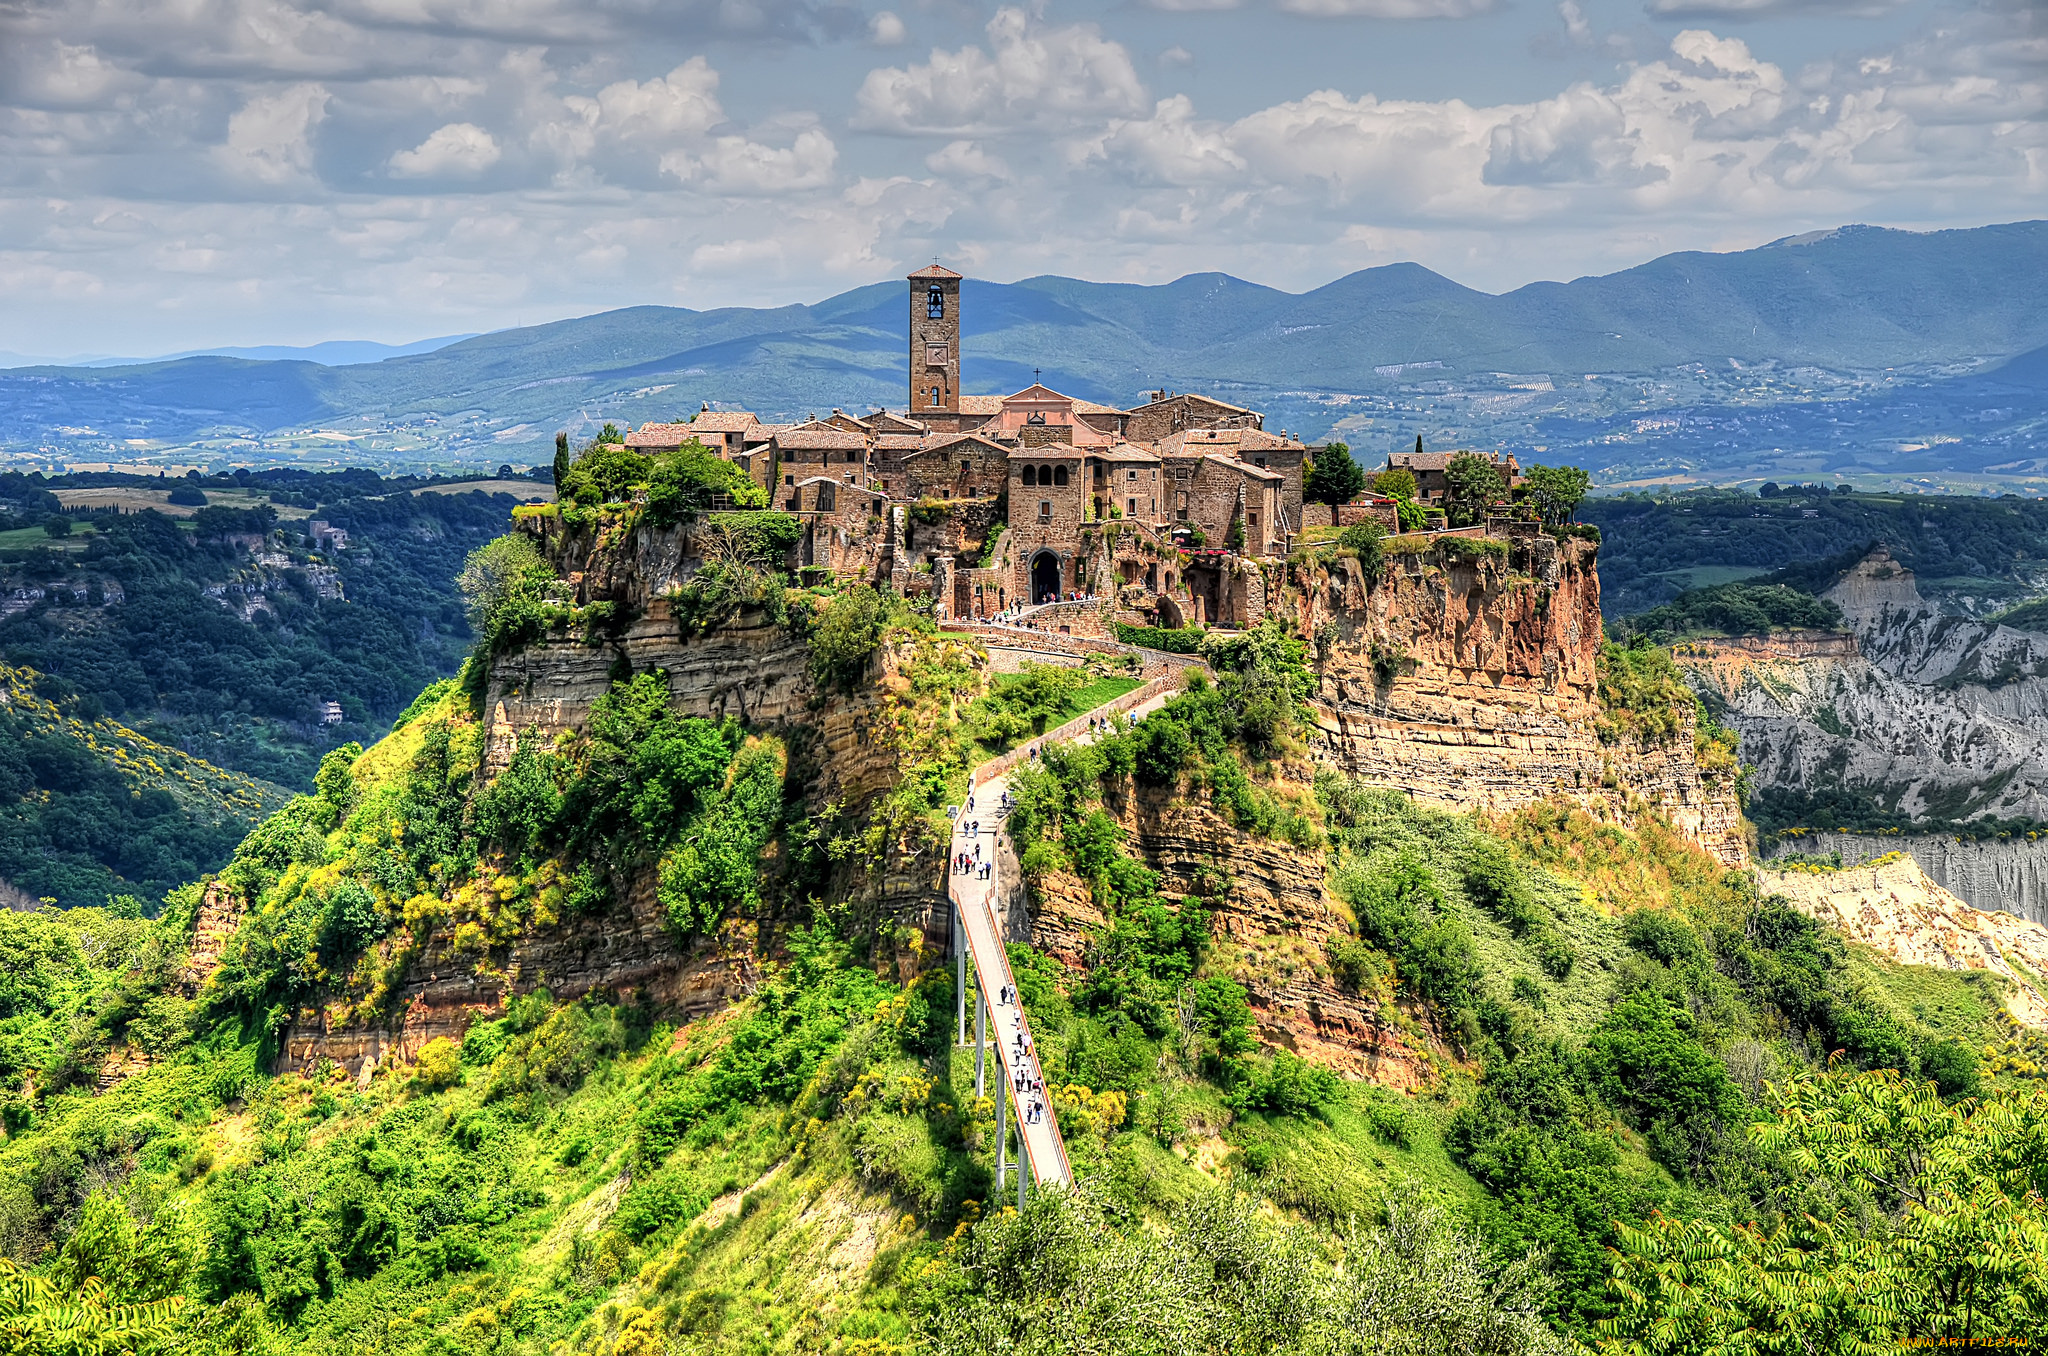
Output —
(1473, 683)
(1892, 906)
(751, 668)
(1992, 874)
(1930, 717)
(1271, 925)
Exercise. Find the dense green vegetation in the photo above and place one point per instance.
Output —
(1657, 546)
(91, 810)
(1622, 1068)
(187, 670)
(1742, 609)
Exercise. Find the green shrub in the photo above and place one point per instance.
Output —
(439, 1064)
(1187, 641)
(1368, 541)
(505, 583)
(1288, 1086)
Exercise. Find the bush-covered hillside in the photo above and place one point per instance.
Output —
(1630, 1074)
(91, 810)
(1654, 547)
(167, 624)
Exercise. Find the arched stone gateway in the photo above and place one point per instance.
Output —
(1045, 577)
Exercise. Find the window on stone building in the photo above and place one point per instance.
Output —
(1133, 475)
(935, 396)
(1133, 509)
(1031, 476)
(789, 480)
(935, 307)
(1045, 510)
(1251, 520)
(963, 465)
(1059, 475)
(827, 497)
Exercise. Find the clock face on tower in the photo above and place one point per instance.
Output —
(936, 355)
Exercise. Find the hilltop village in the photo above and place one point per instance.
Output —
(1162, 513)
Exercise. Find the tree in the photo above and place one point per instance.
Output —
(1555, 491)
(503, 583)
(561, 459)
(610, 434)
(1472, 484)
(1333, 477)
(1951, 1251)
(1396, 482)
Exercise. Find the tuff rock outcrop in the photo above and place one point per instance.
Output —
(1471, 681)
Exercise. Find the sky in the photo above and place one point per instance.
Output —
(176, 174)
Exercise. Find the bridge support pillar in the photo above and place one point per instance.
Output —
(960, 973)
(980, 1041)
(1003, 1137)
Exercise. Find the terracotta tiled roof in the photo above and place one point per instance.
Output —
(931, 271)
(899, 442)
(723, 421)
(1197, 395)
(1422, 461)
(1255, 472)
(981, 404)
(660, 435)
(820, 438)
(1090, 407)
(1050, 450)
(939, 442)
(1123, 452)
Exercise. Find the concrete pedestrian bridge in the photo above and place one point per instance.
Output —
(1001, 1027)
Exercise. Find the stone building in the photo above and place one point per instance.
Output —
(935, 344)
(1428, 470)
(1168, 413)
(1174, 512)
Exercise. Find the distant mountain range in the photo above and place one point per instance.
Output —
(1795, 353)
(328, 353)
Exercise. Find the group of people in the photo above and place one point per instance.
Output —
(1026, 1081)
(965, 863)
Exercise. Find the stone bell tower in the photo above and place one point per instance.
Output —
(934, 342)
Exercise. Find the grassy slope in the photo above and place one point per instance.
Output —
(792, 1173)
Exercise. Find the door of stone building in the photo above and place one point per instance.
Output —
(1045, 577)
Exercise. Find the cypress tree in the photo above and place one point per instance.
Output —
(561, 460)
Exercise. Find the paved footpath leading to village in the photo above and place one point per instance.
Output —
(1010, 1036)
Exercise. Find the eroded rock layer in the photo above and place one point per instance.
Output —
(1473, 683)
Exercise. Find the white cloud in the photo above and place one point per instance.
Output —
(460, 148)
(1176, 55)
(738, 166)
(271, 138)
(1708, 129)
(1712, 9)
(1390, 9)
(1029, 74)
(886, 30)
(682, 103)
(958, 160)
